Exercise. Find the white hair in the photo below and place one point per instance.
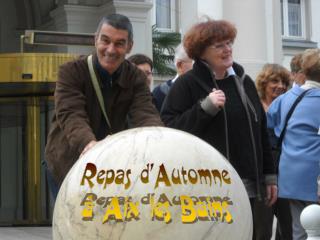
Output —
(180, 54)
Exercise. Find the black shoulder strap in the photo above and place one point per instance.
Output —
(289, 115)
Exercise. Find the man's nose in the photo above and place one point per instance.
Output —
(111, 48)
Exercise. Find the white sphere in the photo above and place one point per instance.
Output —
(219, 208)
(310, 218)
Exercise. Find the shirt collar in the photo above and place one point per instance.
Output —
(230, 72)
(175, 78)
(310, 84)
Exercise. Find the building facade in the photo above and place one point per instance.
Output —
(268, 30)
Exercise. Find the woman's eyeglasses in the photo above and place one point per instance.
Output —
(223, 45)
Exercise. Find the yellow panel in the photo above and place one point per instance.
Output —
(34, 162)
(31, 67)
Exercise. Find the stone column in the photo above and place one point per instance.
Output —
(188, 14)
(274, 38)
(75, 19)
(210, 8)
(258, 40)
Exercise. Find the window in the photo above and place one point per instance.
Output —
(165, 15)
(293, 18)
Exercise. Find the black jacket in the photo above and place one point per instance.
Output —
(183, 111)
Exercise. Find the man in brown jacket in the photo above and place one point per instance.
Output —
(78, 121)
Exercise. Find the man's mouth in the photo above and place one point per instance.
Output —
(110, 57)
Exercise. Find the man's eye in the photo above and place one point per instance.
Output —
(105, 41)
(120, 44)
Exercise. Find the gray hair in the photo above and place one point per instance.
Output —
(117, 21)
(311, 64)
(180, 54)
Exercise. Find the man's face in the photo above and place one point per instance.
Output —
(112, 45)
(184, 66)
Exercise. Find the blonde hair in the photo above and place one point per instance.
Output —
(268, 73)
(311, 64)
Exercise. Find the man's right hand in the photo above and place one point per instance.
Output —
(217, 98)
(88, 146)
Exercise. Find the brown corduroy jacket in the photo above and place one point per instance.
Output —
(77, 114)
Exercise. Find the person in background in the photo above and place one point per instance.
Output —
(145, 64)
(78, 120)
(183, 64)
(295, 65)
(218, 102)
(272, 81)
(299, 159)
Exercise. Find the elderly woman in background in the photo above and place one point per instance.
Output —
(271, 82)
(218, 102)
(300, 155)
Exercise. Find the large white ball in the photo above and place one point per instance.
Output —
(191, 191)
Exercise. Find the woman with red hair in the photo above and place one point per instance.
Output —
(218, 102)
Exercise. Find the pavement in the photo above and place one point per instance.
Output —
(25, 233)
(42, 233)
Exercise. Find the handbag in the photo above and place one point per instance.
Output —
(276, 151)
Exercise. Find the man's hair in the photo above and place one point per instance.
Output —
(117, 21)
(138, 59)
(180, 54)
(295, 64)
(311, 64)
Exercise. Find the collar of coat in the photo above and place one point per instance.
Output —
(203, 71)
(297, 90)
(202, 67)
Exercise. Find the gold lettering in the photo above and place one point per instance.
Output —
(92, 170)
(188, 213)
(113, 211)
(162, 177)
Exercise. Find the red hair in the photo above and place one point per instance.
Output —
(204, 34)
